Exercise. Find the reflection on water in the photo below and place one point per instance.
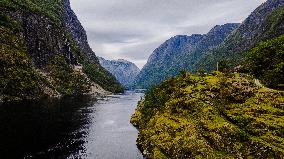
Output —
(46, 128)
(70, 128)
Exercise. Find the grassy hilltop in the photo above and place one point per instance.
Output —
(213, 116)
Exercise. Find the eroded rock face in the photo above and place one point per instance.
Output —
(75, 27)
(45, 40)
(123, 70)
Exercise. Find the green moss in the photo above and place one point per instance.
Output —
(216, 116)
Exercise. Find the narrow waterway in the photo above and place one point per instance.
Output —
(70, 128)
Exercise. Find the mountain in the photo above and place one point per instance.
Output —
(180, 53)
(264, 23)
(124, 71)
(222, 115)
(44, 52)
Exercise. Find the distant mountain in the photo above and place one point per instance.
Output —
(264, 23)
(124, 71)
(180, 53)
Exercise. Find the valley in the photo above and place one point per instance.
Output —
(213, 89)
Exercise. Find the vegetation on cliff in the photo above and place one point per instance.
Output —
(222, 115)
(67, 80)
(18, 79)
(213, 116)
(102, 77)
(50, 8)
(266, 62)
(228, 43)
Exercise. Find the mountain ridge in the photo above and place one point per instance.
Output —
(264, 23)
(178, 53)
(125, 71)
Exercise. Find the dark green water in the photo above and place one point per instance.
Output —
(70, 128)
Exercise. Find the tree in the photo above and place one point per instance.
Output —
(223, 66)
(266, 62)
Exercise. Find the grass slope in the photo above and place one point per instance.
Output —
(215, 116)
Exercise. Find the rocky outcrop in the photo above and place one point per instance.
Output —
(216, 36)
(180, 53)
(124, 71)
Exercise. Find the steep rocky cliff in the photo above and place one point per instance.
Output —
(265, 22)
(180, 53)
(76, 29)
(42, 35)
(124, 71)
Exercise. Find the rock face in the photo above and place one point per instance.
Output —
(180, 53)
(43, 39)
(124, 71)
(46, 35)
(265, 22)
(76, 29)
(40, 32)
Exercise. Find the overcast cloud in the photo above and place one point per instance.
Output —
(132, 29)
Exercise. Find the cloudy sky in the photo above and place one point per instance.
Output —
(132, 29)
